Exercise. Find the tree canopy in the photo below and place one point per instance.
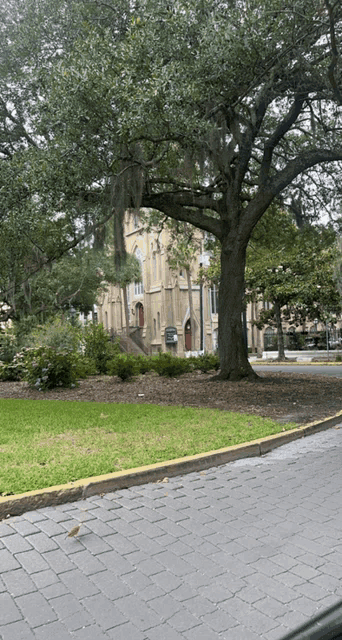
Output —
(204, 111)
(294, 270)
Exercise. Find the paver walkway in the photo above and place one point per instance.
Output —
(245, 551)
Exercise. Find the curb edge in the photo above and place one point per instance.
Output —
(86, 487)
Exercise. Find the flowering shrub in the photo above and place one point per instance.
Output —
(47, 368)
(14, 370)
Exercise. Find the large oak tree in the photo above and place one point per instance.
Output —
(206, 111)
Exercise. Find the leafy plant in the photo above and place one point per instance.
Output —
(206, 362)
(144, 363)
(124, 366)
(84, 366)
(47, 368)
(98, 346)
(170, 366)
(57, 333)
(11, 372)
(8, 347)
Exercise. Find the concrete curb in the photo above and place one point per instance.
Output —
(81, 489)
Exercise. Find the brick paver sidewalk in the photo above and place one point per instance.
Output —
(245, 551)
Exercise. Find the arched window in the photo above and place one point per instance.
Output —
(154, 266)
(139, 285)
(158, 319)
(213, 299)
(215, 340)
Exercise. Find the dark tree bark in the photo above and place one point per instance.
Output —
(234, 364)
(280, 333)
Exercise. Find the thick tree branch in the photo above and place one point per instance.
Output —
(167, 204)
(283, 127)
(301, 163)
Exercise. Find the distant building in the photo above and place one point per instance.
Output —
(159, 314)
(160, 301)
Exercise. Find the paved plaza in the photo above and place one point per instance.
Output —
(245, 551)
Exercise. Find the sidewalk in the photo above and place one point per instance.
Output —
(244, 551)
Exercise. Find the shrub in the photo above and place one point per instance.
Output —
(206, 362)
(58, 333)
(8, 346)
(15, 370)
(124, 366)
(338, 358)
(165, 364)
(84, 366)
(11, 372)
(98, 346)
(47, 368)
(144, 363)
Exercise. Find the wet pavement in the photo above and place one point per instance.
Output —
(244, 551)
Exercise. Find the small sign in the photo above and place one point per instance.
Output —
(171, 335)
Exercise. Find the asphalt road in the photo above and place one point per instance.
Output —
(328, 370)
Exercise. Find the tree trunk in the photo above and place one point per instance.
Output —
(120, 253)
(191, 310)
(234, 364)
(280, 334)
(125, 299)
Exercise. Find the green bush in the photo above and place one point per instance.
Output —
(84, 366)
(124, 366)
(98, 346)
(165, 364)
(206, 362)
(15, 370)
(47, 368)
(11, 371)
(58, 333)
(8, 346)
(144, 363)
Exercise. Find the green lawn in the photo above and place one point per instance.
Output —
(49, 442)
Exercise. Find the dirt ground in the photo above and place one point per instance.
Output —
(286, 397)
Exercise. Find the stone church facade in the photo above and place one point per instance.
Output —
(159, 313)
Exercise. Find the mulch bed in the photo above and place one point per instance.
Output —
(286, 397)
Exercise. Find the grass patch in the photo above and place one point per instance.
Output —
(49, 442)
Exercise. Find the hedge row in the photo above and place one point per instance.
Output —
(46, 368)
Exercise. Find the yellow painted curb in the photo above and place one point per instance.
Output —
(81, 489)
